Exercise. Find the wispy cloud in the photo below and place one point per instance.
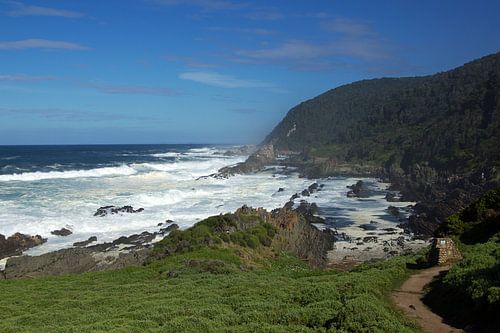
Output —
(62, 114)
(226, 81)
(23, 78)
(191, 62)
(209, 5)
(253, 31)
(21, 9)
(132, 89)
(245, 110)
(266, 15)
(40, 44)
(346, 37)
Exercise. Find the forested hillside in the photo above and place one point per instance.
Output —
(450, 120)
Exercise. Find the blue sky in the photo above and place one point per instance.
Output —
(201, 71)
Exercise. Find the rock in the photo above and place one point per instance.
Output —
(295, 196)
(257, 161)
(370, 239)
(62, 232)
(358, 190)
(309, 211)
(169, 221)
(305, 193)
(17, 243)
(289, 205)
(169, 228)
(394, 211)
(136, 239)
(313, 188)
(391, 197)
(86, 242)
(103, 211)
(75, 260)
(370, 226)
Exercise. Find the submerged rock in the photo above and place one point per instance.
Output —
(103, 211)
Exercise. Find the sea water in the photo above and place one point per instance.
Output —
(45, 188)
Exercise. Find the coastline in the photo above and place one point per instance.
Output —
(360, 245)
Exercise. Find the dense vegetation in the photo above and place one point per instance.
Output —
(477, 222)
(449, 121)
(211, 284)
(247, 230)
(470, 292)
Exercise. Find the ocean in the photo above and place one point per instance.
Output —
(45, 188)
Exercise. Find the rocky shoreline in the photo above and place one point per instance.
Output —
(366, 242)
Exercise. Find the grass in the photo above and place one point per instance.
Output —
(231, 289)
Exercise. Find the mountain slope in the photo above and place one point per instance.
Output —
(450, 120)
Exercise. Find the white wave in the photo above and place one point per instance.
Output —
(169, 154)
(123, 170)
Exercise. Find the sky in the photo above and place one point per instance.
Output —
(202, 71)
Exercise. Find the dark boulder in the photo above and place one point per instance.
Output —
(313, 188)
(394, 211)
(61, 232)
(305, 193)
(281, 189)
(391, 197)
(358, 190)
(103, 211)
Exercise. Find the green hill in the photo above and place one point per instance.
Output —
(450, 120)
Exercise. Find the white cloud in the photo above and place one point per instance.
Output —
(40, 44)
(226, 81)
(22, 77)
(21, 9)
(133, 89)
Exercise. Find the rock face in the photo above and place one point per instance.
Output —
(61, 232)
(17, 243)
(257, 161)
(103, 211)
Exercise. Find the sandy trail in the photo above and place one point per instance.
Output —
(408, 298)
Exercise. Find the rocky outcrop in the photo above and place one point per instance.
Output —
(61, 232)
(295, 234)
(357, 190)
(264, 156)
(75, 260)
(17, 243)
(85, 242)
(103, 211)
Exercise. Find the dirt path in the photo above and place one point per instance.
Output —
(408, 298)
